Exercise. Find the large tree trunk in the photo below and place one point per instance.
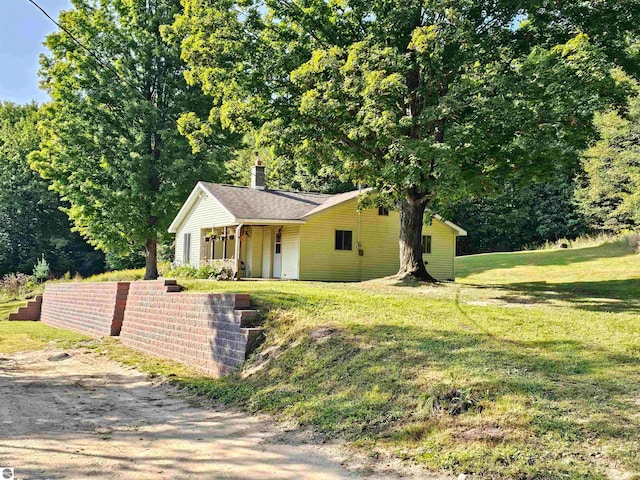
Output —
(151, 264)
(411, 222)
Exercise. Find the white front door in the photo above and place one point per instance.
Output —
(277, 255)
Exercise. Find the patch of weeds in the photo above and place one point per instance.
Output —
(449, 400)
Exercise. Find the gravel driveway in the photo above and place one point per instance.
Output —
(82, 416)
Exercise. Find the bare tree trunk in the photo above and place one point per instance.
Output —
(151, 264)
(411, 222)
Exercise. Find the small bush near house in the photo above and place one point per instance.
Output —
(215, 271)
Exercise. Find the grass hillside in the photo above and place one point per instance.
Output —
(9, 307)
(526, 368)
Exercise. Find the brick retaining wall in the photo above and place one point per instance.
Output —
(96, 309)
(205, 331)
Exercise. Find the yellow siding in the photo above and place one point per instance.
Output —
(378, 237)
(254, 259)
(267, 246)
(318, 258)
(206, 213)
(440, 263)
(290, 251)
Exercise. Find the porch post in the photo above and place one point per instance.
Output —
(224, 246)
(237, 252)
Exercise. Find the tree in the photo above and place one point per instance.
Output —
(110, 144)
(30, 218)
(520, 215)
(284, 173)
(426, 102)
(609, 194)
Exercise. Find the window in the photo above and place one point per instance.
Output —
(344, 239)
(426, 244)
(186, 249)
(278, 242)
(383, 212)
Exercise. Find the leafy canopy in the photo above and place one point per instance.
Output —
(31, 222)
(427, 100)
(110, 142)
(610, 192)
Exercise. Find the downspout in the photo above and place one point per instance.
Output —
(359, 246)
(236, 273)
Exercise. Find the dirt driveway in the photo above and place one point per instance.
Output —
(83, 416)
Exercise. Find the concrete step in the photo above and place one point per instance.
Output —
(246, 317)
(254, 338)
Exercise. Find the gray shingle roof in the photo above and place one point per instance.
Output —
(249, 203)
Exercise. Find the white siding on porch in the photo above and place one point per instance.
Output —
(267, 254)
(290, 252)
(254, 259)
(205, 213)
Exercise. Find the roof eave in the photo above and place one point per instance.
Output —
(347, 197)
(188, 204)
(460, 232)
(263, 221)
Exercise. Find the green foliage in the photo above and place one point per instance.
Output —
(41, 271)
(609, 194)
(127, 262)
(425, 102)
(215, 271)
(520, 215)
(110, 143)
(282, 174)
(30, 218)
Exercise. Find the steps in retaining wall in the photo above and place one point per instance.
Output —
(211, 332)
(30, 312)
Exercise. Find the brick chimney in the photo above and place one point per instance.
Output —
(257, 175)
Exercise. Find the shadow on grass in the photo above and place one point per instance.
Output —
(472, 265)
(364, 381)
(601, 296)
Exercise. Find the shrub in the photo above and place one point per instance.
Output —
(41, 270)
(16, 285)
(215, 271)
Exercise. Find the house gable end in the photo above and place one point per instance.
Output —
(192, 201)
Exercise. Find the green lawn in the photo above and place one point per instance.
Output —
(26, 336)
(517, 371)
(9, 307)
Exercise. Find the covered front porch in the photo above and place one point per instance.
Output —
(253, 250)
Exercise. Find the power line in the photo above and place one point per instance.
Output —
(99, 61)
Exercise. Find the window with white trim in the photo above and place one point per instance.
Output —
(186, 249)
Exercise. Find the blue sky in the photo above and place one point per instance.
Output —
(22, 30)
